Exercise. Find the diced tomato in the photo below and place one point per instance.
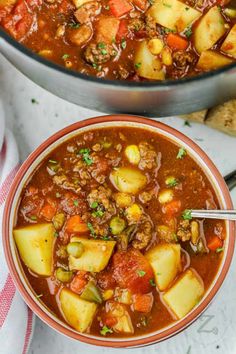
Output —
(73, 204)
(48, 211)
(79, 281)
(20, 21)
(109, 321)
(143, 302)
(132, 271)
(214, 243)
(75, 224)
(141, 4)
(122, 31)
(65, 7)
(174, 41)
(172, 207)
(119, 7)
(4, 11)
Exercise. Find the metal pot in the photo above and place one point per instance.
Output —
(166, 98)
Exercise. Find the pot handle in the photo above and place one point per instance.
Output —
(230, 180)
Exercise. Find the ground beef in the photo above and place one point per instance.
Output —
(148, 156)
(151, 27)
(87, 12)
(143, 236)
(184, 230)
(94, 54)
(136, 24)
(181, 59)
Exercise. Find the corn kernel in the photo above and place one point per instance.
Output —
(45, 53)
(166, 56)
(107, 294)
(155, 46)
(132, 153)
(166, 196)
(134, 213)
(122, 200)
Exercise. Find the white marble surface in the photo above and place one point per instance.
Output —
(31, 123)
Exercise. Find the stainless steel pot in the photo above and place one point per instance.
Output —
(149, 99)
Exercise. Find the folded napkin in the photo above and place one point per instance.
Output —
(16, 319)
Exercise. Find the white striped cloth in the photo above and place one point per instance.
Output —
(16, 319)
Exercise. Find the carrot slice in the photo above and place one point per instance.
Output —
(79, 281)
(122, 31)
(75, 224)
(214, 243)
(119, 7)
(48, 211)
(143, 302)
(174, 41)
(172, 207)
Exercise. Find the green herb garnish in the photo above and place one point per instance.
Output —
(65, 56)
(98, 213)
(137, 65)
(181, 153)
(166, 5)
(123, 43)
(188, 32)
(101, 45)
(94, 205)
(107, 7)
(152, 282)
(33, 217)
(54, 162)
(76, 202)
(86, 156)
(219, 249)
(104, 51)
(187, 123)
(171, 182)
(74, 25)
(34, 101)
(56, 234)
(141, 273)
(187, 214)
(105, 330)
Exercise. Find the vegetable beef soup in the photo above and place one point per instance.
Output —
(105, 233)
(127, 39)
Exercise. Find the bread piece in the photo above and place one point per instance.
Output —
(223, 117)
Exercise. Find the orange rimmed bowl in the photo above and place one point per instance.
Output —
(26, 171)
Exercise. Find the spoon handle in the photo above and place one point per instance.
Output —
(230, 180)
(214, 214)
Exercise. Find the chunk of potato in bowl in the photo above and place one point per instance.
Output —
(99, 237)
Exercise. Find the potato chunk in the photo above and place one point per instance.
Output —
(78, 313)
(166, 263)
(119, 312)
(210, 60)
(79, 3)
(229, 45)
(107, 28)
(173, 14)
(95, 257)
(146, 64)
(209, 30)
(184, 294)
(35, 245)
(128, 180)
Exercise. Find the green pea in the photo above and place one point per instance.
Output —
(117, 225)
(75, 249)
(63, 275)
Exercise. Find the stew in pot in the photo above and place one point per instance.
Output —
(127, 39)
(105, 233)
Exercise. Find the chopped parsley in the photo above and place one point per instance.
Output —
(65, 56)
(151, 2)
(187, 124)
(94, 205)
(91, 229)
(152, 282)
(137, 65)
(187, 214)
(74, 25)
(181, 153)
(34, 101)
(113, 40)
(187, 8)
(56, 234)
(105, 330)
(107, 7)
(101, 45)
(33, 217)
(123, 43)
(219, 249)
(188, 32)
(86, 156)
(76, 202)
(97, 67)
(141, 273)
(158, 273)
(171, 182)
(104, 51)
(54, 162)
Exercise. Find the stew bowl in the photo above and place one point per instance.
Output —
(25, 173)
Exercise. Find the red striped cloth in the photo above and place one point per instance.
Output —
(16, 319)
